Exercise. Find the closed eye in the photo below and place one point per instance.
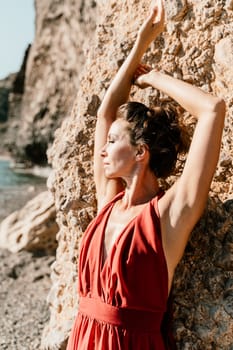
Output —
(111, 138)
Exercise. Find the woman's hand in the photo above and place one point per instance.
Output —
(153, 25)
(141, 76)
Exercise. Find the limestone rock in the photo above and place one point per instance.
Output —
(31, 228)
(14, 105)
(64, 59)
(57, 55)
(189, 50)
(203, 282)
(6, 86)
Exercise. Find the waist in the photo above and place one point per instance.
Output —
(147, 321)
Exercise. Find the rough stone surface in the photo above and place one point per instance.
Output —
(6, 86)
(56, 57)
(13, 95)
(197, 46)
(33, 227)
(64, 58)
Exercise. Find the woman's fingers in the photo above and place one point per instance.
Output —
(141, 70)
(154, 23)
(158, 15)
(157, 8)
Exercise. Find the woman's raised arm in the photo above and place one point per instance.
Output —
(184, 203)
(117, 94)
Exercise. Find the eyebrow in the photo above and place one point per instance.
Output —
(112, 135)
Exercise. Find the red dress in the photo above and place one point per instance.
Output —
(122, 299)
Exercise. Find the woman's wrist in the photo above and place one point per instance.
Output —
(140, 45)
(144, 42)
(149, 79)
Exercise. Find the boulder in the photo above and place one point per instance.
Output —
(63, 30)
(78, 48)
(31, 228)
(188, 49)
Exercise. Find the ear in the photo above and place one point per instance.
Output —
(141, 152)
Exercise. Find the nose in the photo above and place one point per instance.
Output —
(103, 152)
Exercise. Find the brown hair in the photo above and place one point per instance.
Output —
(159, 129)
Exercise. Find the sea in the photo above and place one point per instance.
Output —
(17, 187)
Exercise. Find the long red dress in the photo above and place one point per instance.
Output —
(122, 299)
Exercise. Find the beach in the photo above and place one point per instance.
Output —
(24, 277)
(24, 286)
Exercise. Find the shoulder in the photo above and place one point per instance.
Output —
(156, 200)
(108, 201)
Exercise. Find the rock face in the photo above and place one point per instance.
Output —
(53, 65)
(14, 106)
(31, 228)
(6, 86)
(197, 46)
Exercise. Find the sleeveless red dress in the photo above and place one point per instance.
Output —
(124, 298)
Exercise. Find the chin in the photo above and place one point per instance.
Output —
(110, 176)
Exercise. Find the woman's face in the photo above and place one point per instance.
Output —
(119, 156)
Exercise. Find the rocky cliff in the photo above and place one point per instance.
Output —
(50, 76)
(196, 46)
(6, 86)
(68, 58)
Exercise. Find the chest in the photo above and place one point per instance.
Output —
(117, 222)
(137, 255)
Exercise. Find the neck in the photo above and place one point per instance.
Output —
(140, 189)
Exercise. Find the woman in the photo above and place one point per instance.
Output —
(130, 251)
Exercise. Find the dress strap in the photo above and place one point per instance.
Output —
(142, 320)
(155, 200)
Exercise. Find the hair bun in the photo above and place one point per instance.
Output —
(149, 114)
(159, 129)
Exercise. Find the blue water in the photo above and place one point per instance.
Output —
(16, 189)
(9, 178)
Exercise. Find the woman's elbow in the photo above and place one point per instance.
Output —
(220, 107)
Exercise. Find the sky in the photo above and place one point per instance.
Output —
(17, 30)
